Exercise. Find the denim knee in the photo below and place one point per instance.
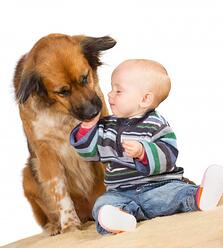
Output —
(186, 198)
(170, 198)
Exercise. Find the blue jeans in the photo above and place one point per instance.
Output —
(150, 200)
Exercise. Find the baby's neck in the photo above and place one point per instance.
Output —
(135, 116)
(138, 115)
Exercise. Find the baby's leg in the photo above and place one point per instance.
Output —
(211, 188)
(115, 212)
(167, 198)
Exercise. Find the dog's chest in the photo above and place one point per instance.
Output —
(54, 130)
(49, 126)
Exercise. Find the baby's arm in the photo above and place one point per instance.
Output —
(161, 153)
(84, 139)
(86, 126)
(133, 149)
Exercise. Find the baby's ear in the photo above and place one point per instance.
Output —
(147, 100)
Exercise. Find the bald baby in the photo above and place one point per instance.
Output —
(146, 75)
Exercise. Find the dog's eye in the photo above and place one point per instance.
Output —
(84, 79)
(63, 92)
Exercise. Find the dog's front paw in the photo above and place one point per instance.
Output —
(52, 229)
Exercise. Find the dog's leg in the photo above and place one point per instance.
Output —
(54, 188)
(31, 192)
(49, 222)
(68, 216)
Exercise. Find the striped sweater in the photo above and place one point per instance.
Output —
(103, 143)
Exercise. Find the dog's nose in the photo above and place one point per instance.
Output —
(91, 112)
(95, 113)
(88, 110)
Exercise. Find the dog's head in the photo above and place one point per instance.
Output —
(61, 71)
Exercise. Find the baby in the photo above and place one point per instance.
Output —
(139, 150)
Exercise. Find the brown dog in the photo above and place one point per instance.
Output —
(56, 85)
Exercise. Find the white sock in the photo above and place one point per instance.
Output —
(114, 220)
(211, 189)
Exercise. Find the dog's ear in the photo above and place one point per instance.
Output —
(29, 84)
(92, 47)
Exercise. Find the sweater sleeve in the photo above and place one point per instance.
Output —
(86, 146)
(144, 159)
(161, 152)
(81, 133)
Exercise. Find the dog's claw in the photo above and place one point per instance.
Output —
(52, 229)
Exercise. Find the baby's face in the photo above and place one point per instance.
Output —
(126, 94)
(138, 85)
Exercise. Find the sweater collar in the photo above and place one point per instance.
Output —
(134, 120)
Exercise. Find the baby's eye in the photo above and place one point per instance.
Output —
(118, 91)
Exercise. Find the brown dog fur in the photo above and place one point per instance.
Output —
(56, 85)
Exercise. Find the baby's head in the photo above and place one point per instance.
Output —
(137, 86)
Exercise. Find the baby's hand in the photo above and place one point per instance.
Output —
(133, 149)
(92, 122)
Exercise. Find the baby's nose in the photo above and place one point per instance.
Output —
(109, 94)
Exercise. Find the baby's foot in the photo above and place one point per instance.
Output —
(114, 220)
(211, 189)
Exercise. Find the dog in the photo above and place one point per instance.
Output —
(56, 86)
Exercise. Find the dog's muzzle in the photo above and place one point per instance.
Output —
(88, 110)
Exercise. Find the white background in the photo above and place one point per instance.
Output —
(185, 36)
